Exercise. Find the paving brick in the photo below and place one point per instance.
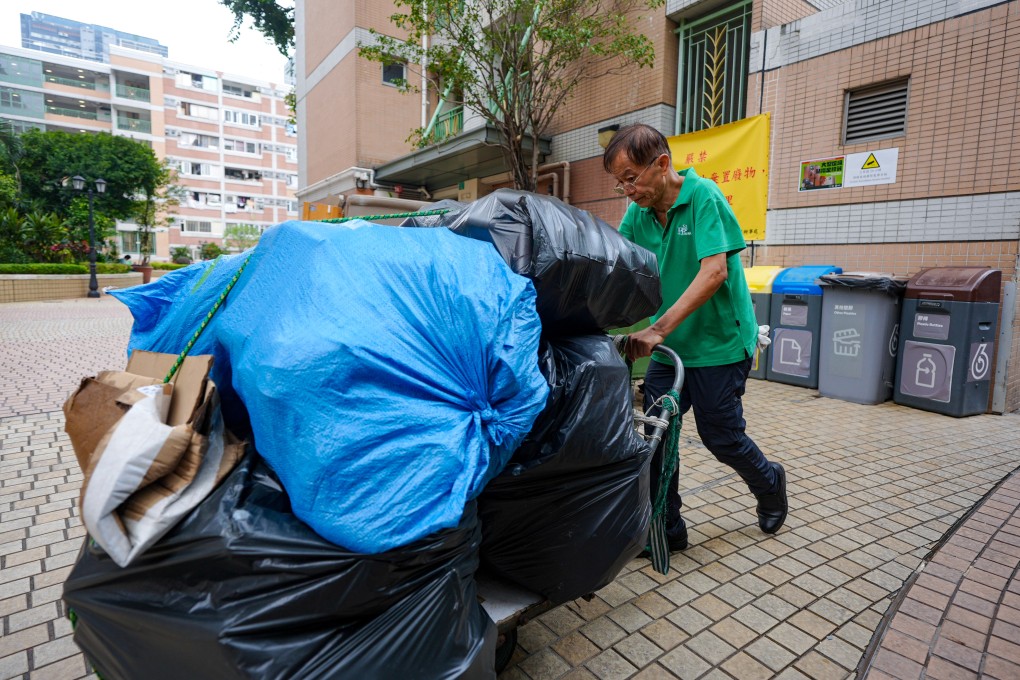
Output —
(664, 634)
(685, 664)
(638, 650)
(575, 649)
(710, 647)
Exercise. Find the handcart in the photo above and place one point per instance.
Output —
(510, 605)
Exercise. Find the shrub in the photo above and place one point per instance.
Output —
(167, 266)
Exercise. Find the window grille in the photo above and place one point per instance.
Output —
(712, 76)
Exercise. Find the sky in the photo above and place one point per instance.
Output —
(195, 31)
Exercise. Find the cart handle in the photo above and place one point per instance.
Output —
(658, 419)
(662, 416)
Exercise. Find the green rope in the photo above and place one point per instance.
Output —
(670, 453)
(393, 216)
(205, 322)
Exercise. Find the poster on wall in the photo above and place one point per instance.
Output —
(822, 173)
(736, 157)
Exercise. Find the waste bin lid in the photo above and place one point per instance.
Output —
(887, 283)
(958, 284)
(801, 280)
(760, 277)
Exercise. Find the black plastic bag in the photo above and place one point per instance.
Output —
(451, 207)
(566, 535)
(588, 417)
(243, 589)
(894, 286)
(588, 277)
(572, 507)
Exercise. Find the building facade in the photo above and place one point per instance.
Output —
(228, 138)
(69, 38)
(933, 81)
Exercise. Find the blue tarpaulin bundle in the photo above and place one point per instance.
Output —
(387, 373)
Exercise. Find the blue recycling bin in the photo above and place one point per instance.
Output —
(796, 320)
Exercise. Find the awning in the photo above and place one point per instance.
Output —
(470, 154)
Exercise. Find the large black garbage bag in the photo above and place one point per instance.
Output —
(588, 417)
(588, 277)
(243, 589)
(572, 507)
(565, 535)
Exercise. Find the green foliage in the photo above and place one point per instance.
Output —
(274, 21)
(210, 251)
(37, 268)
(166, 266)
(8, 190)
(180, 255)
(49, 159)
(516, 71)
(241, 236)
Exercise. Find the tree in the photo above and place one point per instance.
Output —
(515, 62)
(49, 159)
(271, 19)
(155, 209)
(241, 236)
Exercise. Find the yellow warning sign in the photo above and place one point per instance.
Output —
(871, 163)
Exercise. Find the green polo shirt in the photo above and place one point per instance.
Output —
(700, 223)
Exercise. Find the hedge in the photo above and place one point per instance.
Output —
(167, 266)
(101, 268)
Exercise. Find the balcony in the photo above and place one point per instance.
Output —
(134, 124)
(138, 94)
(76, 113)
(448, 124)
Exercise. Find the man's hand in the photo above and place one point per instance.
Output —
(642, 343)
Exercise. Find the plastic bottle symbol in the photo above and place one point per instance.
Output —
(980, 364)
(924, 375)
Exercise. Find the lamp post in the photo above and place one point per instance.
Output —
(79, 184)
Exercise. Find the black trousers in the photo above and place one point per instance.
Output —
(714, 392)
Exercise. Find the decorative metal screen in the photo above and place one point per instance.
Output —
(713, 69)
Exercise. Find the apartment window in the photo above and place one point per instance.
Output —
(198, 141)
(195, 80)
(393, 74)
(291, 153)
(241, 146)
(198, 111)
(198, 226)
(11, 99)
(241, 117)
(242, 175)
(877, 112)
(292, 181)
(713, 69)
(129, 241)
(237, 90)
(199, 169)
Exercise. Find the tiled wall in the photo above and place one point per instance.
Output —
(29, 288)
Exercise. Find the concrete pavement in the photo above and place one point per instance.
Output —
(892, 563)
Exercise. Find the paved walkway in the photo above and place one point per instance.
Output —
(874, 490)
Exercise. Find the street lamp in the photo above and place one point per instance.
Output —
(78, 182)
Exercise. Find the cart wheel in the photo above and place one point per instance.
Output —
(505, 651)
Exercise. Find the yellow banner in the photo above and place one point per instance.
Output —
(736, 157)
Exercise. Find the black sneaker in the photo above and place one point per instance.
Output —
(773, 507)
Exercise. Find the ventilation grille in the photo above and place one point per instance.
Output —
(876, 112)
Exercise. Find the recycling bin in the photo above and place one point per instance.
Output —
(759, 281)
(947, 340)
(859, 336)
(796, 319)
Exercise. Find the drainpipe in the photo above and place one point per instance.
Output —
(565, 166)
(555, 182)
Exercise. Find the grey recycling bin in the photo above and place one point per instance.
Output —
(858, 341)
(796, 320)
(947, 340)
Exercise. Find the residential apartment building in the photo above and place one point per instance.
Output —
(70, 38)
(228, 137)
(935, 81)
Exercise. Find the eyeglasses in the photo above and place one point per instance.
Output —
(621, 187)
